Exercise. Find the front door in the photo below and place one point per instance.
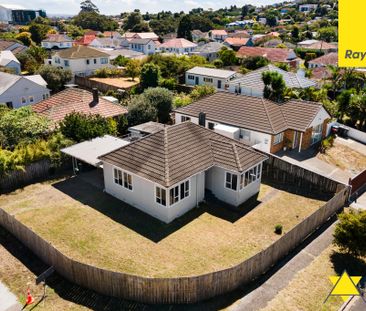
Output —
(219, 84)
(197, 81)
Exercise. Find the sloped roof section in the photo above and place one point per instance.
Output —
(81, 51)
(254, 79)
(254, 113)
(181, 151)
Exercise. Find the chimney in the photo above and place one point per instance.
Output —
(202, 119)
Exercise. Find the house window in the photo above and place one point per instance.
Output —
(184, 119)
(160, 195)
(317, 133)
(95, 60)
(87, 61)
(250, 176)
(104, 60)
(211, 125)
(208, 80)
(127, 181)
(190, 77)
(278, 139)
(9, 105)
(174, 195)
(184, 189)
(31, 99)
(231, 181)
(245, 134)
(118, 177)
(66, 63)
(24, 100)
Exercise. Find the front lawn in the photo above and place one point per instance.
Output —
(93, 227)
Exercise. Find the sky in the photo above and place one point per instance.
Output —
(72, 7)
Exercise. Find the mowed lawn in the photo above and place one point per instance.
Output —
(95, 228)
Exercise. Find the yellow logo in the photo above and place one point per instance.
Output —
(344, 286)
(352, 25)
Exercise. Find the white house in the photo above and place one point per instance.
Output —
(218, 35)
(306, 8)
(146, 46)
(5, 15)
(257, 121)
(165, 174)
(209, 50)
(81, 60)
(178, 46)
(8, 60)
(106, 43)
(17, 91)
(217, 78)
(57, 41)
(251, 84)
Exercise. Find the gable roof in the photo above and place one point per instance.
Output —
(211, 72)
(71, 100)
(254, 80)
(272, 54)
(6, 57)
(211, 47)
(180, 151)
(8, 80)
(237, 41)
(85, 40)
(80, 51)
(12, 46)
(218, 32)
(254, 113)
(317, 45)
(178, 43)
(57, 38)
(327, 59)
(140, 41)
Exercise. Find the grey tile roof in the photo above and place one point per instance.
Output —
(254, 113)
(81, 51)
(254, 79)
(211, 47)
(181, 151)
(211, 72)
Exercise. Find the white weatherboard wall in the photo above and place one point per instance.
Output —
(215, 181)
(200, 81)
(234, 88)
(352, 133)
(142, 195)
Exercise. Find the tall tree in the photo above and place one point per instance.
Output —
(185, 28)
(162, 100)
(38, 32)
(88, 6)
(150, 75)
(133, 68)
(274, 86)
(55, 77)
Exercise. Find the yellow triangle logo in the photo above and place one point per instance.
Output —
(345, 285)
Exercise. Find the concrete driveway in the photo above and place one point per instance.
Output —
(8, 301)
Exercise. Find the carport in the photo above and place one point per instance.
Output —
(89, 151)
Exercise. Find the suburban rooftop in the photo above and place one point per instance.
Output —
(212, 72)
(81, 51)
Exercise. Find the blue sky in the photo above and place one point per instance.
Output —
(117, 6)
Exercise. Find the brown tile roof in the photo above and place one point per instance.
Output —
(81, 51)
(237, 41)
(219, 32)
(320, 73)
(272, 54)
(327, 59)
(320, 45)
(12, 46)
(178, 43)
(71, 100)
(239, 34)
(181, 151)
(58, 38)
(254, 113)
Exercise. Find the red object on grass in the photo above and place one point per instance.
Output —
(30, 298)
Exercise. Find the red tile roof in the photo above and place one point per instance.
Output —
(219, 32)
(85, 40)
(237, 41)
(178, 43)
(71, 100)
(272, 54)
(327, 59)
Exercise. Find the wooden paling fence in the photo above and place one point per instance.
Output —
(188, 289)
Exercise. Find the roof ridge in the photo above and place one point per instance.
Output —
(166, 160)
(236, 156)
(266, 110)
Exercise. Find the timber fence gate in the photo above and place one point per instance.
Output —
(188, 289)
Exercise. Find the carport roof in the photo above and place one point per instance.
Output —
(89, 151)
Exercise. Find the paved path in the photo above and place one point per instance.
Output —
(8, 301)
(259, 297)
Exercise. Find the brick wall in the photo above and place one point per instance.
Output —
(306, 139)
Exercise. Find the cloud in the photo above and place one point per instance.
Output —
(117, 6)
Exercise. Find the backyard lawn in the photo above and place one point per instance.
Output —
(93, 227)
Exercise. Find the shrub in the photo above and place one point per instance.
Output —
(327, 143)
(200, 91)
(218, 63)
(169, 83)
(149, 76)
(278, 229)
(181, 100)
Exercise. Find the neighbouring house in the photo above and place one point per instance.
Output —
(112, 35)
(318, 45)
(81, 60)
(218, 35)
(184, 160)
(306, 8)
(141, 130)
(106, 43)
(85, 40)
(251, 84)
(8, 60)
(269, 126)
(239, 34)
(209, 50)
(324, 61)
(178, 46)
(198, 34)
(13, 46)
(146, 46)
(217, 78)
(58, 106)
(141, 35)
(18, 91)
(275, 55)
(237, 43)
(5, 15)
(57, 41)
(123, 52)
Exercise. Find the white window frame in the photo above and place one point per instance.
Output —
(160, 195)
(66, 63)
(127, 181)
(117, 175)
(190, 77)
(208, 80)
(31, 99)
(123, 178)
(277, 139)
(250, 176)
(174, 195)
(184, 189)
(23, 100)
(230, 181)
(104, 60)
(185, 119)
(180, 192)
(317, 133)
